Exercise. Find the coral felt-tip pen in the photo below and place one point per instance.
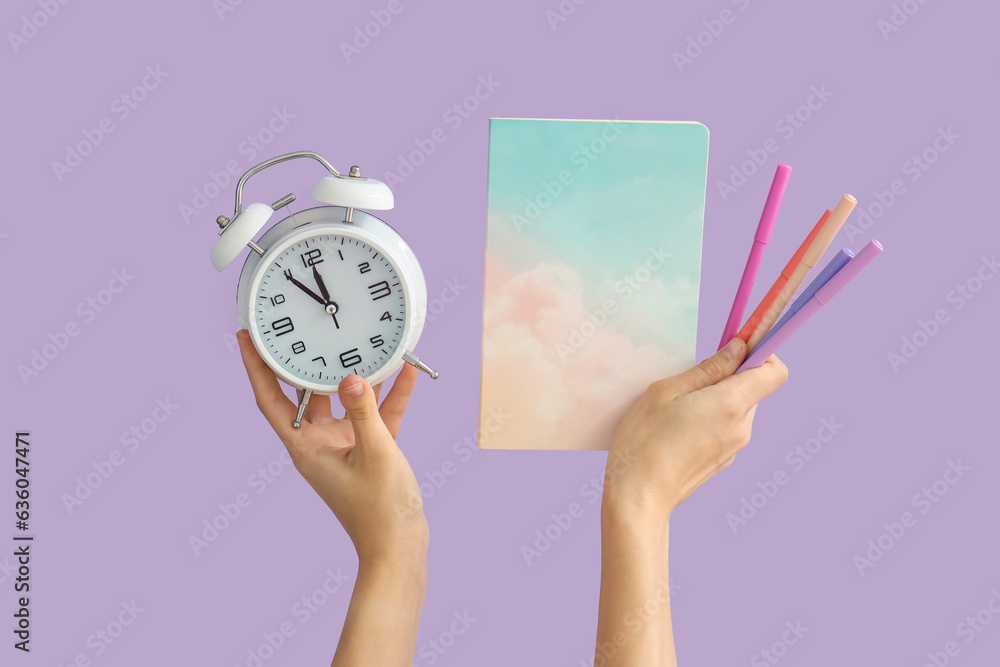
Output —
(822, 297)
(786, 274)
(833, 266)
(767, 217)
(812, 257)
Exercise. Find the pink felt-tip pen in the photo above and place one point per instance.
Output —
(823, 296)
(760, 239)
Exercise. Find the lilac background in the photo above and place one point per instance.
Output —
(168, 334)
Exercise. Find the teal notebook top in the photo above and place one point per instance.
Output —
(593, 264)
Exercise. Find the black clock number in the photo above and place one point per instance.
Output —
(376, 341)
(310, 258)
(353, 360)
(283, 326)
(364, 267)
(298, 347)
(277, 299)
(379, 290)
(385, 316)
(320, 359)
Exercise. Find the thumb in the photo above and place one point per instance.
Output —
(358, 399)
(720, 365)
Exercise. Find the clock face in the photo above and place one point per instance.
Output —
(328, 306)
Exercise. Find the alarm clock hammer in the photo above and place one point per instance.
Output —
(364, 276)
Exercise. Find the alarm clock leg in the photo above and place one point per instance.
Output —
(410, 358)
(303, 403)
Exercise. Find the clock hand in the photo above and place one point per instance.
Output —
(288, 275)
(322, 285)
(326, 295)
(332, 308)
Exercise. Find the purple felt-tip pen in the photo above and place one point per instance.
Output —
(838, 262)
(822, 297)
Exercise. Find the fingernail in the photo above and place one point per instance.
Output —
(354, 390)
(732, 349)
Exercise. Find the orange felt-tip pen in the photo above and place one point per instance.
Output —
(765, 305)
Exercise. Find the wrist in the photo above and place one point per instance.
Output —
(633, 511)
(401, 552)
(403, 569)
(386, 604)
(631, 493)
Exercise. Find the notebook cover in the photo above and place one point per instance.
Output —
(593, 264)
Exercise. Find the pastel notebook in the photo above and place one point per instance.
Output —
(593, 263)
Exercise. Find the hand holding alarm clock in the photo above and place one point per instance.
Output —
(329, 291)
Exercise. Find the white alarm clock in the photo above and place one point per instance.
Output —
(328, 291)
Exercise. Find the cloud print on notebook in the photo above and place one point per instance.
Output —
(593, 261)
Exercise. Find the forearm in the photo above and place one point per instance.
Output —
(633, 624)
(382, 619)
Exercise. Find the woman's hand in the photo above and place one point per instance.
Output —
(679, 433)
(683, 430)
(353, 463)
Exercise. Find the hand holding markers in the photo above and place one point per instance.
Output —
(685, 429)
(762, 335)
